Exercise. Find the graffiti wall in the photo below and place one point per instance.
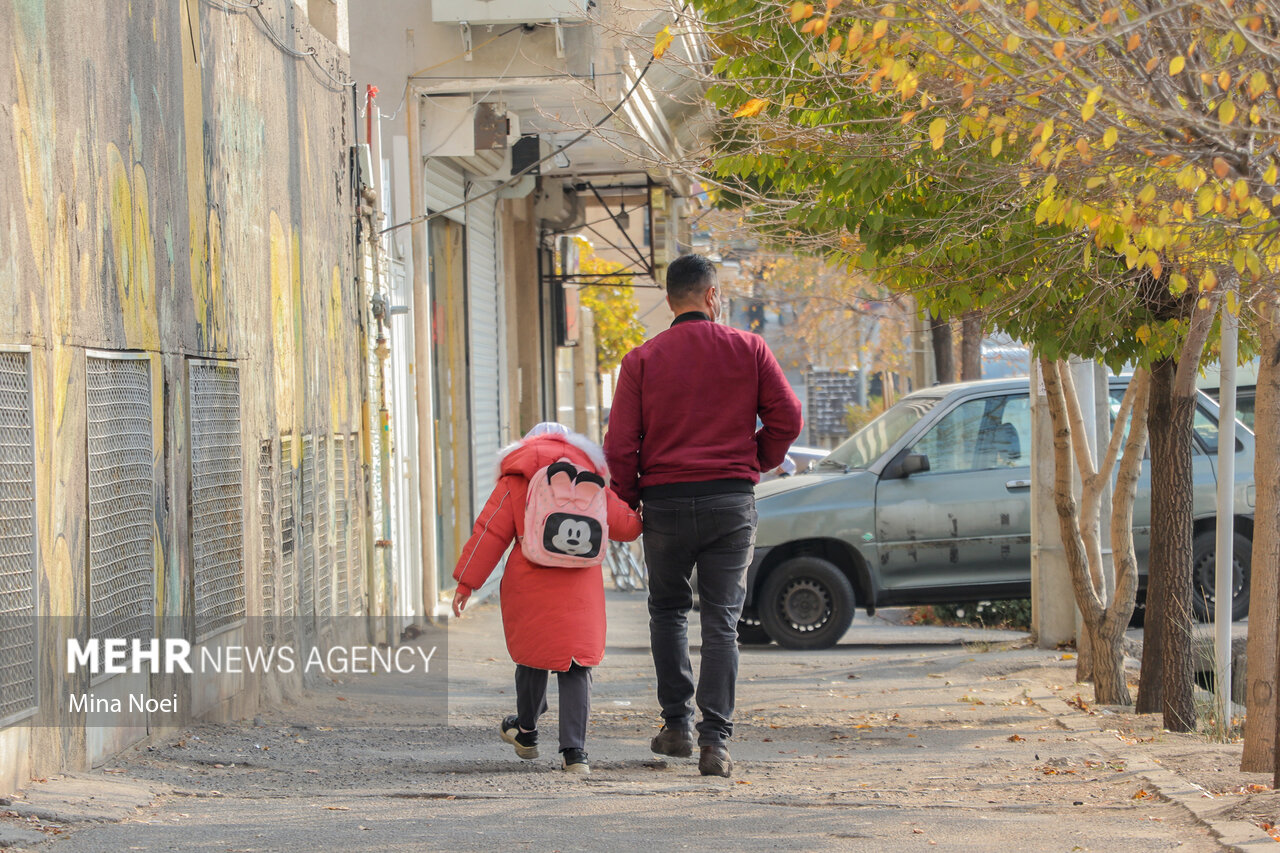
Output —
(180, 317)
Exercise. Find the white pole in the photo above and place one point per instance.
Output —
(1226, 511)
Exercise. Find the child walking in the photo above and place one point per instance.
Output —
(552, 607)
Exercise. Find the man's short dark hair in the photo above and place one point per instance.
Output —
(688, 277)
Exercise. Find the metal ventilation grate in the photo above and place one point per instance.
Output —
(121, 498)
(17, 538)
(356, 528)
(217, 496)
(267, 524)
(324, 553)
(288, 545)
(307, 580)
(341, 526)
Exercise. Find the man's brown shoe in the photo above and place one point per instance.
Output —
(677, 743)
(715, 761)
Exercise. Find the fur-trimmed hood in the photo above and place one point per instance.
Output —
(527, 455)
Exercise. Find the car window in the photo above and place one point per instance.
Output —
(1244, 407)
(1204, 424)
(1206, 427)
(990, 432)
(873, 440)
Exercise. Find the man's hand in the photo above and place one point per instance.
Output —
(461, 596)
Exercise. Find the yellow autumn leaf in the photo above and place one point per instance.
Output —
(801, 10)
(1086, 112)
(1109, 137)
(662, 41)
(1257, 84)
(1031, 10)
(1208, 281)
(1221, 167)
(997, 145)
(881, 27)
(1059, 49)
(1227, 111)
(1144, 334)
(752, 107)
(937, 131)
(1177, 284)
(1177, 64)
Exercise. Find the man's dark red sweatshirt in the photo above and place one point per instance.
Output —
(683, 421)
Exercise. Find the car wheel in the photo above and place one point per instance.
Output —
(751, 632)
(806, 603)
(1204, 566)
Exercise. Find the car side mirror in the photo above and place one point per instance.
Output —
(906, 465)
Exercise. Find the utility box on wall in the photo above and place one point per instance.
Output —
(482, 12)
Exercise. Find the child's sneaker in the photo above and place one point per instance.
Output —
(526, 743)
(574, 761)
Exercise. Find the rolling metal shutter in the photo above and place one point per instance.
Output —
(444, 187)
(483, 310)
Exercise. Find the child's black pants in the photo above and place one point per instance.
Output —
(575, 701)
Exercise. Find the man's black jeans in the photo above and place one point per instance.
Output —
(717, 534)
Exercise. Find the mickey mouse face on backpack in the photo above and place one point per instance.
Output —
(574, 535)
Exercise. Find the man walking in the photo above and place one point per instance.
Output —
(683, 441)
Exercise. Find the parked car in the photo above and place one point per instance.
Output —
(931, 503)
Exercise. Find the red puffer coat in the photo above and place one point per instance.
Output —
(552, 616)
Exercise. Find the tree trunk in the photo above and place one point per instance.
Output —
(1166, 682)
(1109, 684)
(1261, 694)
(1104, 618)
(971, 347)
(943, 357)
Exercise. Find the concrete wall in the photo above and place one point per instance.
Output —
(178, 186)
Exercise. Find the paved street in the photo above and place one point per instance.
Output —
(899, 739)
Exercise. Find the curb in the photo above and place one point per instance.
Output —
(1235, 835)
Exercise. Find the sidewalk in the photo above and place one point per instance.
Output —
(897, 739)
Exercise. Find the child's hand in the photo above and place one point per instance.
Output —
(460, 598)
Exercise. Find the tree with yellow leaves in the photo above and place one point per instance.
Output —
(1088, 173)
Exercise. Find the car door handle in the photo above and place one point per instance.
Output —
(1018, 484)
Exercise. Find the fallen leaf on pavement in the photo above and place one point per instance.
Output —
(1016, 738)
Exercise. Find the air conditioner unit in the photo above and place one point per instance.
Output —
(455, 127)
(483, 12)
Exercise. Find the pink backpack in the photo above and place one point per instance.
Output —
(566, 517)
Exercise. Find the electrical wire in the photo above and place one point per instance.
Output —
(236, 8)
